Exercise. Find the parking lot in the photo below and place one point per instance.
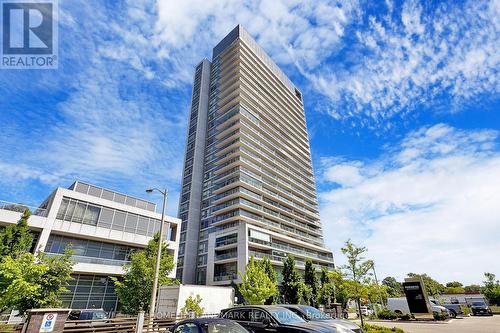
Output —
(464, 325)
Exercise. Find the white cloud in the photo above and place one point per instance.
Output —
(451, 50)
(429, 204)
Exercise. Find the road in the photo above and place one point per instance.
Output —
(465, 325)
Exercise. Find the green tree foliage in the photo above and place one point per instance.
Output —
(473, 289)
(491, 288)
(377, 293)
(134, 290)
(16, 239)
(327, 288)
(292, 282)
(454, 287)
(30, 282)
(357, 269)
(394, 288)
(257, 287)
(454, 284)
(340, 288)
(273, 276)
(192, 304)
(312, 282)
(433, 287)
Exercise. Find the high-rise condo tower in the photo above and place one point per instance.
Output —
(248, 186)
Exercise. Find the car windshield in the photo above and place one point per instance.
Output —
(478, 304)
(314, 314)
(285, 316)
(223, 327)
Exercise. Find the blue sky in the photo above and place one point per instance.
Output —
(401, 98)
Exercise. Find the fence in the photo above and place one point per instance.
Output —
(115, 325)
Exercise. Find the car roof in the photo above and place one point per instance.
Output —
(264, 307)
(202, 320)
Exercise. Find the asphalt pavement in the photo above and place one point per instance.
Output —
(459, 325)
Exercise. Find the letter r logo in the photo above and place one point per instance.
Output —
(27, 27)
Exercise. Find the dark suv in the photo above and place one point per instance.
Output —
(271, 318)
(480, 308)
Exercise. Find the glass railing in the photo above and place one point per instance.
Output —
(20, 208)
(226, 242)
(224, 256)
(93, 260)
(226, 277)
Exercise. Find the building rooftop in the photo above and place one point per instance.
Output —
(107, 194)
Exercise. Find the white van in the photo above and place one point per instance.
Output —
(400, 305)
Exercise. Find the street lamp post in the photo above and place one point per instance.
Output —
(152, 305)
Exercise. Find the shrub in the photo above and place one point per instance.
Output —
(405, 316)
(192, 305)
(379, 329)
(440, 316)
(387, 314)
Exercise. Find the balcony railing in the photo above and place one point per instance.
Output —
(224, 256)
(94, 260)
(226, 242)
(226, 277)
(20, 208)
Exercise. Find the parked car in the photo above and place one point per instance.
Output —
(310, 313)
(207, 325)
(454, 310)
(400, 305)
(480, 308)
(272, 318)
(87, 314)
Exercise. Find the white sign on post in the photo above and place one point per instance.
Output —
(48, 322)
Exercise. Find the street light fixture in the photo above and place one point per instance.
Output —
(152, 305)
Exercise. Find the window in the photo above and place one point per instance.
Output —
(142, 225)
(79, 212)
(187, 328)
(62, 208)
(119, 220)
(91, 215)
(131, 223)
(238, 315)
(258, 315)
(70, 210)
(106, 218)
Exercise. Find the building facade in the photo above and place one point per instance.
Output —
(248, 187)
(102, 227)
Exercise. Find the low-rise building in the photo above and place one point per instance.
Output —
(103, 227)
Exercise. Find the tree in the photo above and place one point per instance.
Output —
(29, 282)
(394, 288)
(192, 304)
(257, 287)
(292, 285)
(357, 269)
(454, 284)
(339, 284)
(491, 288)
(16, 239)
(433, 287)
(473, 289)
(273, 276)
(311, 281)
(134, 290)
(326, 292)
